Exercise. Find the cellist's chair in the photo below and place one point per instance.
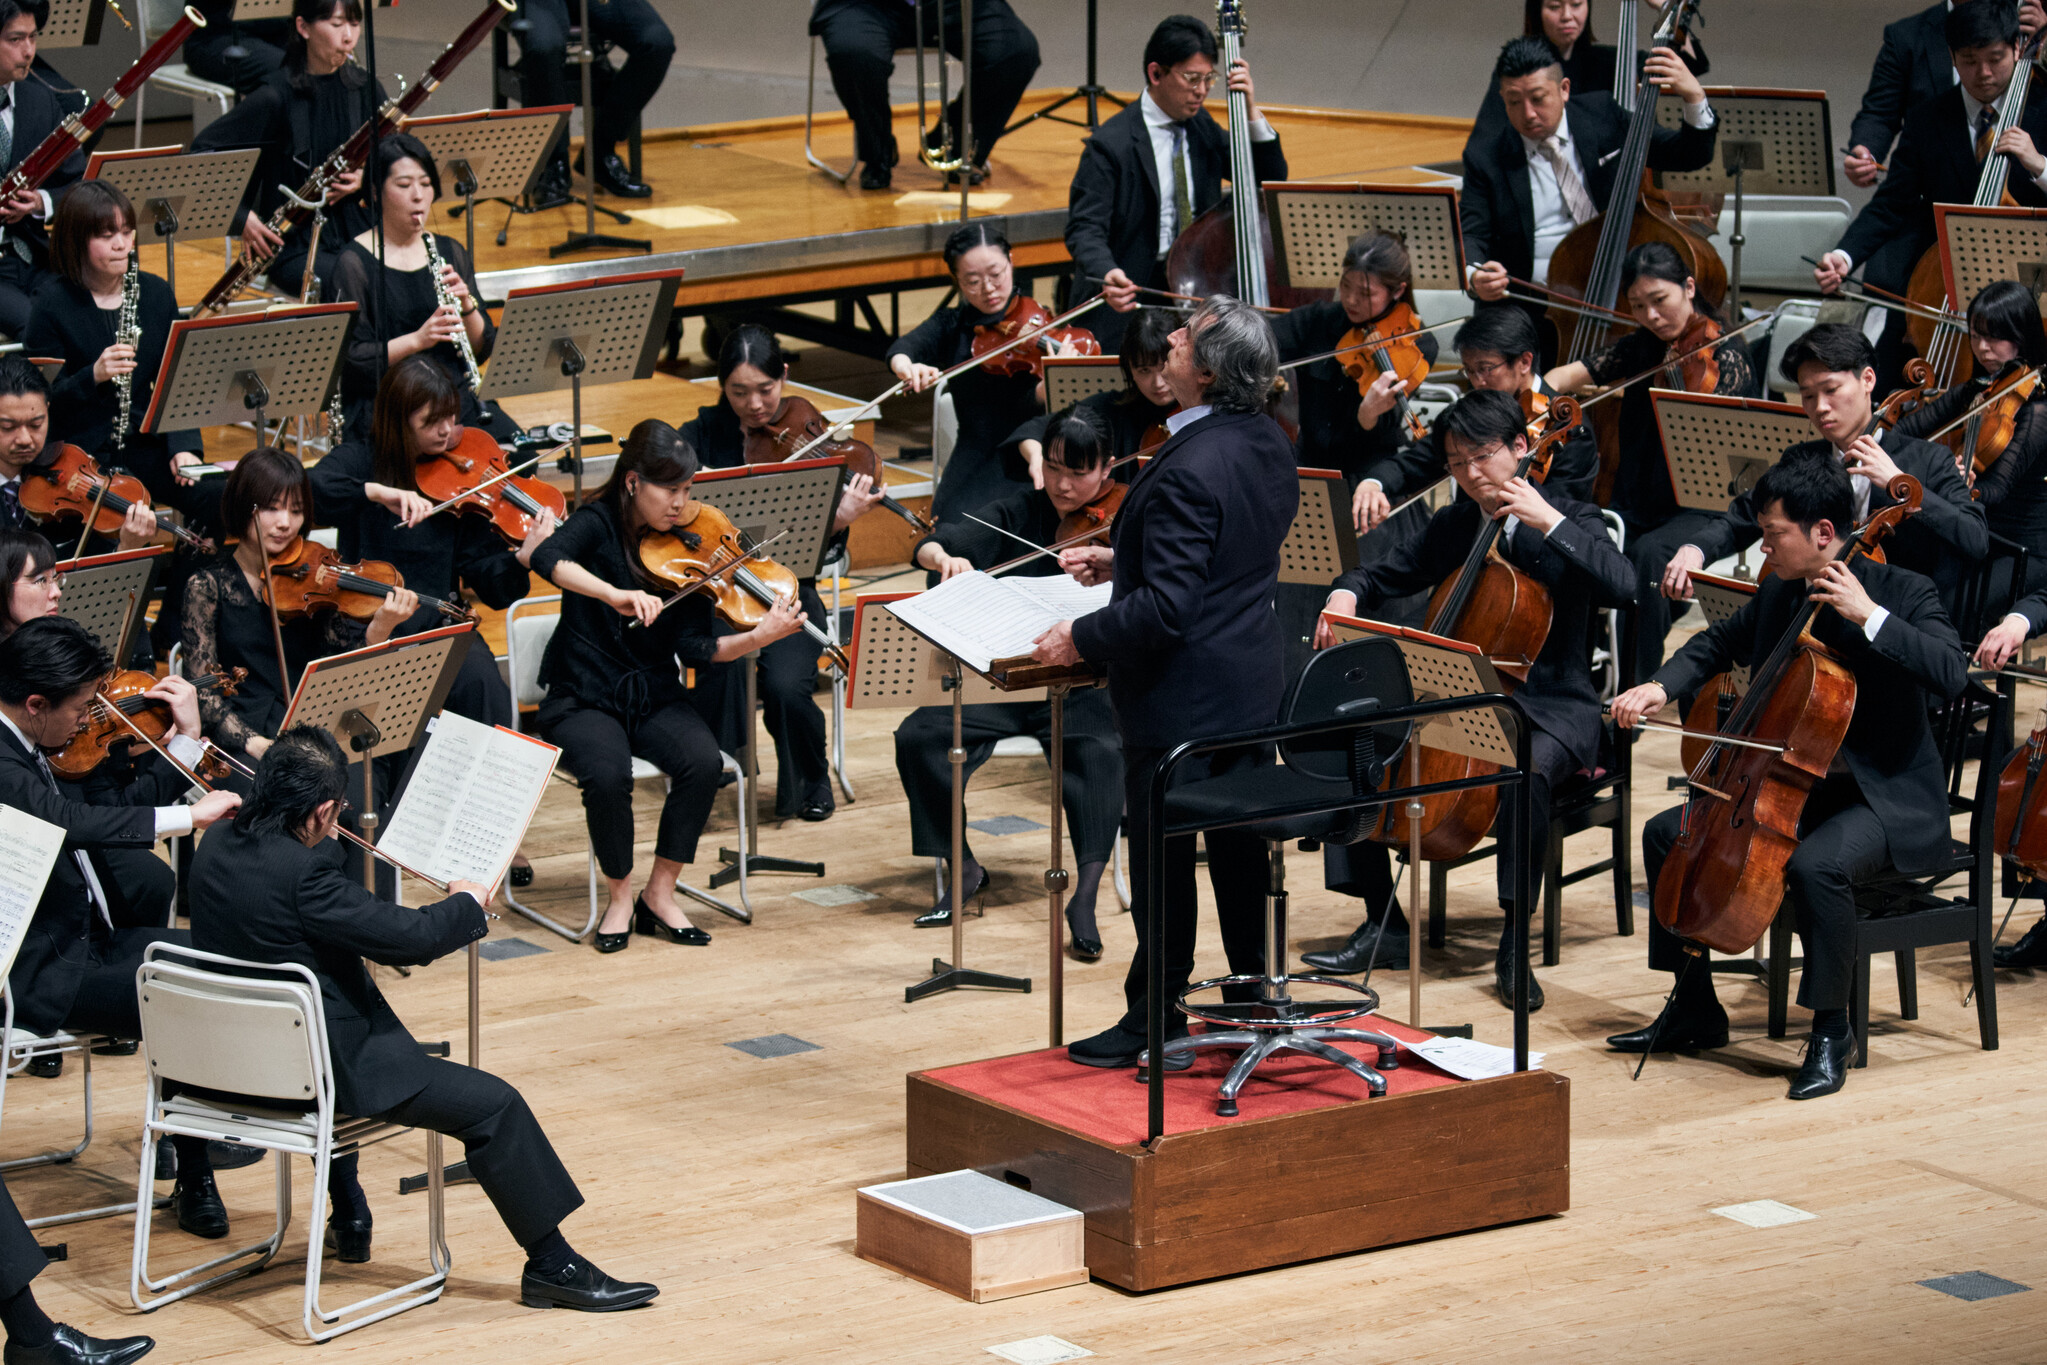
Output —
(527, 631)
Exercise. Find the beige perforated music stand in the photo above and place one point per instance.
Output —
(176, 194)
(72, 23)
(1716, 448)
(1719, 598)
(1070, 378)
(1790, 130)
(108, 594)
(1979, 246)
(219, 371)
(1314, 224)
(1322, 544)
(490, 153)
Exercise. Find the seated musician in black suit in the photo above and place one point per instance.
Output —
(270, 887)
(1561, 543)
(1553, 167)
(32, 1339)
(1076, 473)
(1834, 368)
(1497, 349)
(1939, 160)
(620, 93)
(1883, 803)
(31, 112)
(1911, 68)
(76, 970)
(1152, 169)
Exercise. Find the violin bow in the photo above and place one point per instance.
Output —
(270, 599)
(99, 500)
(1183, 298)
(873, 405)
(446, 503)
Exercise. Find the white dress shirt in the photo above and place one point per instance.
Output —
(1163, 131)
(1553, 220)
(1187, 417)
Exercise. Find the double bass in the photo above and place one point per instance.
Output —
(1493, 605)
(1723, 882)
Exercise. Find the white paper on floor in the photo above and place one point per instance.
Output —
(1039, 1351)
(1764, 1213)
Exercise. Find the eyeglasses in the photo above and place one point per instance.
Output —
(1479, 374)
(1459, 466)
(49, 580)
(1204, 82)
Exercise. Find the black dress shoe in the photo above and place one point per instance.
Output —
(230, 1156)
(939, 916)
(48, 1066)
(1825, 1068)
(1086, 949)
(349, 1239)
(552, 189)
(1675, 1032)
(166, 1161)
(613, 178)
(582, 1286)
(1357, 953)
(646, 922)
(1503, 982)
(117, 1047)
(874, 177)
(198, 1207)
(2029, 951)
(816, 812)
(72, 1347)
(1117, 1046)
(521, 877)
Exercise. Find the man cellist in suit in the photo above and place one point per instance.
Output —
(1883, 802)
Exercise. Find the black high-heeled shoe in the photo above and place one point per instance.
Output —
(612, 943)
(645, 921)
(1086, 949)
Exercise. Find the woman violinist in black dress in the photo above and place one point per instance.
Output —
(990, 406)
(1131, 417)
(398, 313)
(305, 109)
(751, 369)
(615, 689)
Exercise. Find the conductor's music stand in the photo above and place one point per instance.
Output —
(600, 331)
(1716, 448)
(1979, 246)
(1070, 378)
(1771, 142)
(1313, 226)
(195, 194)
(894, 666)
(1322, 544)
(793, 505)
(108, 594)
(72, 23)
(491, 154)
(216, 371)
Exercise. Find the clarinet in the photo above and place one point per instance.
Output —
(444, 297)
(127, 332)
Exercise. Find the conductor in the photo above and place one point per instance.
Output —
(1189, 636)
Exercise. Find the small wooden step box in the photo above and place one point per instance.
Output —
(971, 1235)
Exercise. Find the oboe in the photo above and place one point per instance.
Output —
(127, 332)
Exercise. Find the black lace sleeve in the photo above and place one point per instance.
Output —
(2021, 462)
(217, 719)
(1738, 377)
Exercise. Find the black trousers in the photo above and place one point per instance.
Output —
(598, 748)
(1238, 867)
(140, 892)
(1092, 760)
(479, 692)
(263, 39)
(1649, 548)
(787, 684)
(21, 1258)
(1840, 842)
(18, 283)
(620, 93)
(860, 43)
(507, 1152)
(105, 1002)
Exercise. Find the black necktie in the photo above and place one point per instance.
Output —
(10, 507)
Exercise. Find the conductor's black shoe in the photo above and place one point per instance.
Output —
(198, 1206)
(48, 1066)
(1357, 954)
(2029, 951)
(582, 1286)
(939, 916)
(873, 177)
(613, 178)
(1503, 982)
(646, 922)
(1674, 1032)
(551, 190)
(349, 1239)
(1825, 1068)
(69, 1346)
(230, 1156)
(1117, 1046)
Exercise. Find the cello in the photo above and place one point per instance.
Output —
(1723, 882)
(1491, 604)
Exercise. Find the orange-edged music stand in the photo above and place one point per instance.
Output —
(1314, 223)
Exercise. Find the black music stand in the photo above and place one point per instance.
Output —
(1771, 142)
(216, 371)
(1314, 224)
(492, 154)
(562, 336)
(1092, 90)
(793, 505)
(590, 239)
(195, 194)
(109, 594)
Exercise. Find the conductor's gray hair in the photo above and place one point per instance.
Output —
(1234, 343)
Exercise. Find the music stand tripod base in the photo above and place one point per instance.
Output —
(946, 977)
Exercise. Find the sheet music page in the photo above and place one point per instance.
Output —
(1469, 1058)
(1063, 595)
(471, 796)
(28, 850)
(977, 619)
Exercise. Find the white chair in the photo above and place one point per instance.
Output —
(264, 1038)
(174, 77)
(836, 570)
(527, 631)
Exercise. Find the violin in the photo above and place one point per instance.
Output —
(309, 577)
(1506, 613)
(1370, 356)
(1090, 524)
(797, 424)
(73, 485)
(1025, 315)
(1698, 359)
(1723, 882)
(708, 554)
(1981, 440)
(122, 691)
(512, 504)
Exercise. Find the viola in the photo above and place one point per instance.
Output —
(1493, 605)
(1723, 882)
(309, 577)
(1534, 406)
(1090, 524)
(512, 504)
(122, 691)
(73, 485)
(707, 553)
(797, 425)
(1371, 355)
(1026, 316)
